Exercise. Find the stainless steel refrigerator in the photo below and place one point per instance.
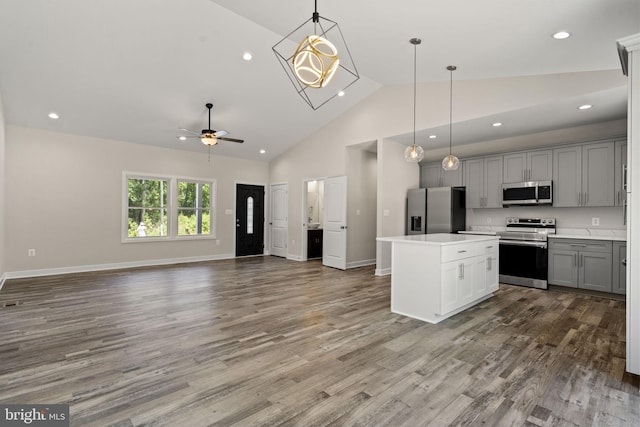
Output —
(436, 210)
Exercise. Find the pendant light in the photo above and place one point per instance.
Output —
(451, 162)
(317, 60)
(414, 153)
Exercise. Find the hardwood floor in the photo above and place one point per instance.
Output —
(268, 342)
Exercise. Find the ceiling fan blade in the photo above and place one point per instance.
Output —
(231, 139)
(220, 133)
(188, 136)
(190, 131)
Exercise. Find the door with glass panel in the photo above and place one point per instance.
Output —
(249, 220)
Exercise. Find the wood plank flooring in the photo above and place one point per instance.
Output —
(269, 342)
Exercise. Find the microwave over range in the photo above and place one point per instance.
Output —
(527, 193)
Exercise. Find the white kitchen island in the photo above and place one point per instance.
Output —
(434, 276)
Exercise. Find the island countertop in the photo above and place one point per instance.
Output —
(438, 239)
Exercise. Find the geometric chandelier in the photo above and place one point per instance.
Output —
(317, 60)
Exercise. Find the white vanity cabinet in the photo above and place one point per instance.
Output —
(435, 276)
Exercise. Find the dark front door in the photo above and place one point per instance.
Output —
(249, 220)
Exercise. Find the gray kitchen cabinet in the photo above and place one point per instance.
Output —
(619, 285)
(581, 263)
(620, 169)
(563, 268)
(432, 175)
(528, 166)
(583, 175)
(483, 182)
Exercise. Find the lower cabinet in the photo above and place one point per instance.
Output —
(468, 279)
(314, 244)
(619, 285)
(581, 263)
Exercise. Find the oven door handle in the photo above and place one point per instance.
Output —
(542, 245)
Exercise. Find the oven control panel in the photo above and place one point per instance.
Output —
(531, 222)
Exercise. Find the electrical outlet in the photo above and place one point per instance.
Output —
(31, 252)
(595, 221)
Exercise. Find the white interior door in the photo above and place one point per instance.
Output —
(334, 237)
(279, 200)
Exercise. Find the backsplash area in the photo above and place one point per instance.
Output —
(609, 218)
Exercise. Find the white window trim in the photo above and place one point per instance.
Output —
(172, 208)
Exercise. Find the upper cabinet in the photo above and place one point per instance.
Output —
(432, 175)
(583, 175)
(620, 170)
(529, 166)
(483, 182)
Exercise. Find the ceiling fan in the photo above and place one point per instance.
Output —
(209, 136)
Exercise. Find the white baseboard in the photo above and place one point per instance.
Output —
(111, 266)
(365, 262)
(383, 271)
(294, 257)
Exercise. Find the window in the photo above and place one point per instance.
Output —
(167, 208)
(194, 208)
(147, 207)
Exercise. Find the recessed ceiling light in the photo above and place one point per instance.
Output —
(560, 35)
(182, 138)
(247, 56)
(263, 151)
(432, 136)
(496, 124)
(341, 93)
(53, 116)
(585, 107)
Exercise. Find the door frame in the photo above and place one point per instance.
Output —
(268, 207)
(266, 239)
(303, 215)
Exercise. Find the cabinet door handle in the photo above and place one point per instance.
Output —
(462, 265)
(575, 245)
(624, 177)
(461, 252)
(575, 260)
(624, 262)
(489, 247)
(624, 212)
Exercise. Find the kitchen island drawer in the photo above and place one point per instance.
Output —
(456, 252)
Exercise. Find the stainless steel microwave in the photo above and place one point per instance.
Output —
(527, 193)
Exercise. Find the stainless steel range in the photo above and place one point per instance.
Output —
(523, 251)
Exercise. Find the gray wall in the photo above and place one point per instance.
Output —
(66, 201)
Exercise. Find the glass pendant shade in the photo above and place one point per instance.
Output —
(413, 153)
(450, 163)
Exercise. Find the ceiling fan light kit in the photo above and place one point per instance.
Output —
(209, 137)
(317, 60)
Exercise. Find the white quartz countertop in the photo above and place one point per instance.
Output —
(586, 236)
(484, 233)
(438, 239)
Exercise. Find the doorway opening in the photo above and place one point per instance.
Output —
(314, 203)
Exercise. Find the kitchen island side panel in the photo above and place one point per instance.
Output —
(415, 280)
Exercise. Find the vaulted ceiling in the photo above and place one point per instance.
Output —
(139, 71)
